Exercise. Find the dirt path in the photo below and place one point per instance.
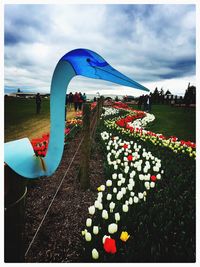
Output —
(59, 239)
(32, 128)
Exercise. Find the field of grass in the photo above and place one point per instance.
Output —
(21, 119)
(174, 121)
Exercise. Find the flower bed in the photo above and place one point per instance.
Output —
(145, 210)
(133, 125)
(133, 172)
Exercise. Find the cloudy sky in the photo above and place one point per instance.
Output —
(152, 44)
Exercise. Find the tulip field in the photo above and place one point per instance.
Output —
(145, 210)
(141, 202)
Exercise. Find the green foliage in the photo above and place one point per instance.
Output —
(174, 121)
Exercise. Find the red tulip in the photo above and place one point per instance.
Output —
(130, 157)
(110, 245)
(153, 178)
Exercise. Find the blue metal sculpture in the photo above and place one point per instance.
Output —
(19, 154)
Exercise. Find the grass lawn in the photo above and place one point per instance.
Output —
(176, 121)
(173, 121)
(21, 119)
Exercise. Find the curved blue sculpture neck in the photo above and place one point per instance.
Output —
(62, 76)
(19, 154)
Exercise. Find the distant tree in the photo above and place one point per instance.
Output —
(155, 96)
(116, 98)
(161, 96)
(168, 92)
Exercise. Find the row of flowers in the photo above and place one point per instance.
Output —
(40, 145)
(109, 111)
(134, 124)
(133, 171)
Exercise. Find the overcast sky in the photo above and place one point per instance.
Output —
(152, 44)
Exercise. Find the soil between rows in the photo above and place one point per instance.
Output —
(59, 238)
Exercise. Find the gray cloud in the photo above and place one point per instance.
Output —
(149, 43)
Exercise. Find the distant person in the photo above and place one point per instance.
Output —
(76, 101)
(140, 102)
(70, 101)
(84, 98)
(149, 103)
(95, 99)
(38, 103)
(80, 101)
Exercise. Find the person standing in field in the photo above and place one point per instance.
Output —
(76, 101)
(80, 101)
(70, 101)
(38, 103)
(84, 98)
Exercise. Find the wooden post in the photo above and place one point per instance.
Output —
(86, 147)
(99, 108)
(15, 192)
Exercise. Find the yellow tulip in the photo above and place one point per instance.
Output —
(124, 236)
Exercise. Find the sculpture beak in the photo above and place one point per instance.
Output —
(108, 73)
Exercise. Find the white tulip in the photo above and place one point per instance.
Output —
(96, 204)
(109, 197)
(100, 194)
(145, 170)
(125, 208)
(132, 194)
(88, 237)
(130, 201)
(112, 228)
(114, 176)
(105, 214)
(119, 183)
(108, 183)
(115, 190)
(95, 230)
(112, 206)
(91, 210)
(152, 184)
(100, 207)
(130, 187)
(141, 177)
(88, 222)
(135, 199)
(147, 185)
(131, 181)
(123, 190)
(115, 167)
(132, 174)
(95, 254)
(117, 216)
(139, 168)
(119, 195)
(158, 176)
(140, 195)
(120, 175)
(126, 170)
(155, 169)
